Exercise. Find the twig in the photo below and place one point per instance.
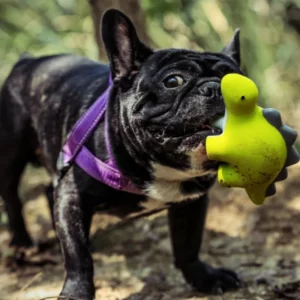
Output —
(30, 282)
(169, 294)
(61, 297)
(130, 220)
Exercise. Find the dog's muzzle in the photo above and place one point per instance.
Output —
(210, 89)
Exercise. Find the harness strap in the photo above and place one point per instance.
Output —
(75, 151)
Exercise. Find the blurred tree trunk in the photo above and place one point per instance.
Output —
(131, 8)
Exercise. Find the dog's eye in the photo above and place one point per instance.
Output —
(173, 81)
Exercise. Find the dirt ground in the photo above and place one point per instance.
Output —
(134, 262)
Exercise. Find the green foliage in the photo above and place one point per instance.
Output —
(157, 9)
(43, 27)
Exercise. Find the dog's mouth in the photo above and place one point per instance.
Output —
(188, 135)
(199, 136)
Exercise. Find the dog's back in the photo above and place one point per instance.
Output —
(43, 97)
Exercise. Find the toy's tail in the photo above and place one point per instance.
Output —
(257, 195)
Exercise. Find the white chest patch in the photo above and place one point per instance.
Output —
(168, 191)
(167, 184)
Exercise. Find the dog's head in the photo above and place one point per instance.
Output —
(162, 106)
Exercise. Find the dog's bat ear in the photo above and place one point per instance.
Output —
(233, 48)
(124, 49)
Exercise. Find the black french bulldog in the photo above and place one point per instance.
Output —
(159, 113)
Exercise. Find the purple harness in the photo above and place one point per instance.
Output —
(75, 151)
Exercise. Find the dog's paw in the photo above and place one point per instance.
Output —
(207, 279)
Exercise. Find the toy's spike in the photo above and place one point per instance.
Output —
(273, 117)
(271, 190)
(293, 157)
(282, 175)
(289, 135)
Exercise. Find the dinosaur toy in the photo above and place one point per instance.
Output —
(255, 147)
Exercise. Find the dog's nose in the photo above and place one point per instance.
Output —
(210, 89)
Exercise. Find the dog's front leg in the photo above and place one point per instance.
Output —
(186, 222)
(72, 220)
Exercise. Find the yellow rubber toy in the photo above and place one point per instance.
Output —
(253, 150)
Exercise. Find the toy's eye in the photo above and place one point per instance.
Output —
(243, 98)
(173, 81)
